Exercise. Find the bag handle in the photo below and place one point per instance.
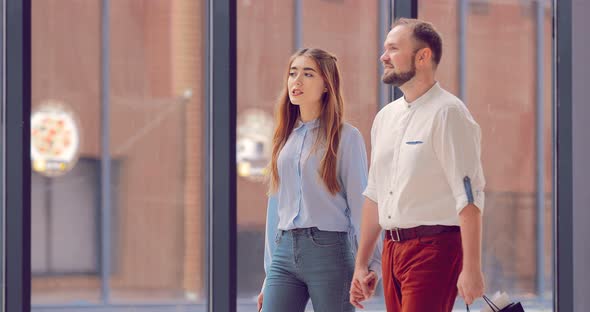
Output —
(489, 302)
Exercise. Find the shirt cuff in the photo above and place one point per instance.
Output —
(463, 201)
(371, 194)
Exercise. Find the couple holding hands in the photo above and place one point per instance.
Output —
(329, 205)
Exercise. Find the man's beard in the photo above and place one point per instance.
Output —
(398, 79)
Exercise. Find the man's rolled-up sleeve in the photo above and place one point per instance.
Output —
(457, 144)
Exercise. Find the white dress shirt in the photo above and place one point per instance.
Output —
(425, 161)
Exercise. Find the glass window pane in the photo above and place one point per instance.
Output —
(65, 239)
(267, 35)
(500, 91)
(342, 27)
(154, 136)
(261, 65)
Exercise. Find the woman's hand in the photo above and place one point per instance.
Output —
(260, 298)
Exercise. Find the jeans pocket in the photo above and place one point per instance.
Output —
(278, 237)
(325, 238)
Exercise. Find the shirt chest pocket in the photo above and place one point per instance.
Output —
(415, 155)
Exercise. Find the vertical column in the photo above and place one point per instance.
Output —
(105, 155)
(563, 269)
(384, 24)
(580, 167)
(409, 9)
(539, 144)
(462, 48)
(16, 181)
(222, 156)
(298, 25)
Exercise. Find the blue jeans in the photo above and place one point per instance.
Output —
(309, 263)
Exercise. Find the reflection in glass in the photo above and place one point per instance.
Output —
(254, 140)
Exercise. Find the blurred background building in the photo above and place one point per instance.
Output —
(157, 119)
(498, 57)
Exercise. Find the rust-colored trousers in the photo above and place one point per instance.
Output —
(420, 275)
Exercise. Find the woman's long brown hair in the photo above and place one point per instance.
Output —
(331, 119)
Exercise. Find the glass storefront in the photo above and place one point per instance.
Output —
(120, 129)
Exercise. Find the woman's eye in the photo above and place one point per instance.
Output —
(308, 75)
(291, 74)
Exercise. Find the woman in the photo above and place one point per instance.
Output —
(317, 175)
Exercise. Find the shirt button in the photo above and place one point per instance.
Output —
(388, 217)
(390, 192)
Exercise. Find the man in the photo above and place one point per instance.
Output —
(425, 187)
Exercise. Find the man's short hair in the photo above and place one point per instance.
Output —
(424, 33)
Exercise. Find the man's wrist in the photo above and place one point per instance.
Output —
(472, 267)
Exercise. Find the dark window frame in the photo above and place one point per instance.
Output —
(17, 137)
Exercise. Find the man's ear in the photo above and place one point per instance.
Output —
(425, 54)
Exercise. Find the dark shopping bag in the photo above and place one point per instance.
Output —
(511, 307)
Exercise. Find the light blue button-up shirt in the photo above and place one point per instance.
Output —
(303, 200)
